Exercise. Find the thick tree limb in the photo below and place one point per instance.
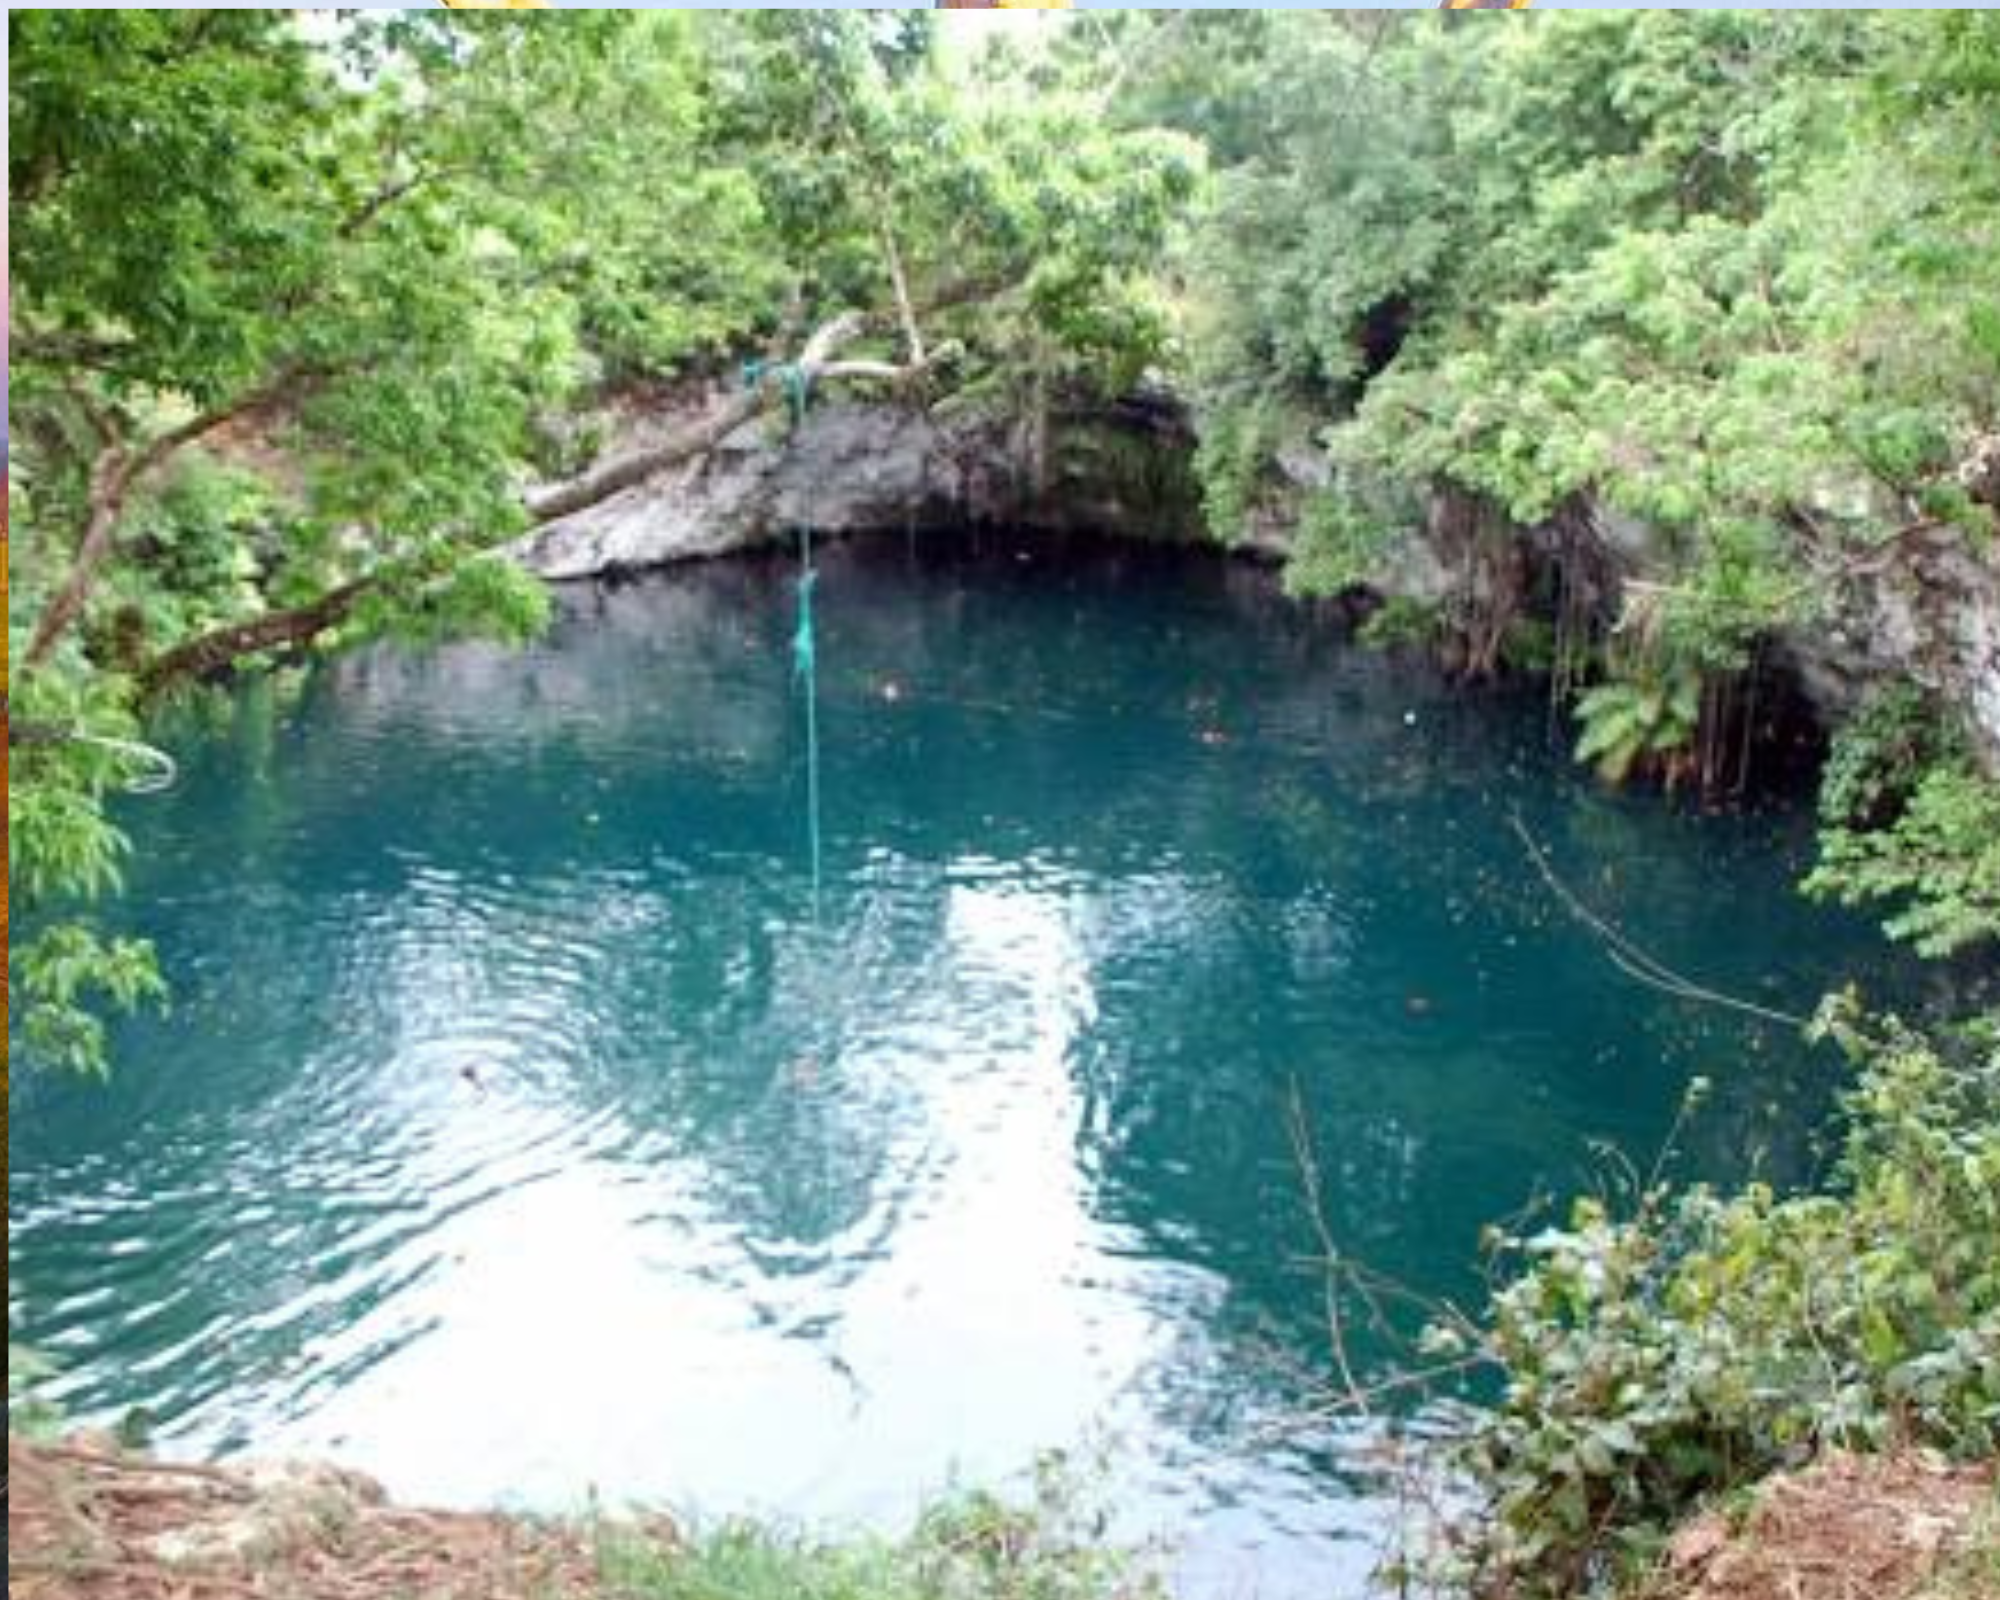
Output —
(913, 336)
(391, 192)
(31, 734)
(111, 480)
(217, 649)
(877, 371)
(623, 472)
(816, 364)
(214, 651)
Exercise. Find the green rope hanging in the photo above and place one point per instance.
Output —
(792, 381)
(805, 667)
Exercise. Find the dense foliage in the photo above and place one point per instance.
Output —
(1705, 1339)
(1715, 293)
(1728, 273)
(1907, 816)
(1677, 332)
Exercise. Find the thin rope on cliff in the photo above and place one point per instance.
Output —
(791, 378)
(1629, 958)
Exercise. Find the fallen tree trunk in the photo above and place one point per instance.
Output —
(628, 471)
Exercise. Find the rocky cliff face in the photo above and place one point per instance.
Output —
(1930, 613)
(849, 466)
(1927, 610)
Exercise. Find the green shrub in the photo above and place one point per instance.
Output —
(1234, 464)
(1530, 645)
(1907, 817)
(1633, 724)
(1339, 543)
(1400, 620)
(1654, 1362)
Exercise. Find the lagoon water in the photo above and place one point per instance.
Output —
(522, 1130)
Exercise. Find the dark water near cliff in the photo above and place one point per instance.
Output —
(516, 1130)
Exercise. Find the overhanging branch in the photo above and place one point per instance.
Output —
(816, 364)
(217, 649)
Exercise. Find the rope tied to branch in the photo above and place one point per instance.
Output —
(791, 379)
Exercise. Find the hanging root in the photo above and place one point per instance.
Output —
(1634, 962)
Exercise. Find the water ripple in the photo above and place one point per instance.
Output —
(521, 1126)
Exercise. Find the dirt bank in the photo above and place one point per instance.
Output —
(1903, 1527)
(88, 1522)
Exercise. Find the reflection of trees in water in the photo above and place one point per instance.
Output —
(733, 1019)
(702, 661)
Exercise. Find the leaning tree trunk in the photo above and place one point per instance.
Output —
(814, 365)
(295, 626)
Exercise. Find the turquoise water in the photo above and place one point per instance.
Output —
(518, 1130)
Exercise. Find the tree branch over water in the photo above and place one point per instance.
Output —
(816, 364)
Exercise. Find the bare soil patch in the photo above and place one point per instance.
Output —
(86, 1521)
(1898, 1527)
